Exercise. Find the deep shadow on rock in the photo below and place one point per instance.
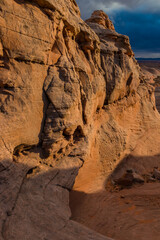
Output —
(35, 204)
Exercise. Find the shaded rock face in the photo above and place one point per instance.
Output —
(72, 102)
(157, 96)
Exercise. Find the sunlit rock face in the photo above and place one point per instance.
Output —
(73, 101)
(102, 19)
(117, 58)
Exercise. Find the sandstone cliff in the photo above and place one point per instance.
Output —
(73, 102)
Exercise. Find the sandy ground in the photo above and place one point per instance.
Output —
(127, 214)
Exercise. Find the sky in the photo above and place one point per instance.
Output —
(138, 19)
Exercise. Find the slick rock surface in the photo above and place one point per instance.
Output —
(72, 102)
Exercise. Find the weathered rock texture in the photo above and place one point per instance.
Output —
(101, 18)
(73, 102)
(125, 138)
(151, 70)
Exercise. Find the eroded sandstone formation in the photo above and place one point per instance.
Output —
(151, 70)
(73, 102)
(115, 191)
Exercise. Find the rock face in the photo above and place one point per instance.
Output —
(125, 136)
(151, 70)
(120, 68)
(73, 102)
(101, 18)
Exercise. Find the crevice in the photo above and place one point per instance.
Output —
(85, 43)
(7, 87)
(4, 58)
(22, 17)
(83, 102)
(16, 200)
(6, 146)
(68, 189)
(74, 2)
(32, 171)
(98, 109)
(19, 59)
(45, 108)
(48, 12)
(66, 136)
(25, 34)
(58, 171)
(108, 87)
(129, 81)
(78, 134)
(21, 148)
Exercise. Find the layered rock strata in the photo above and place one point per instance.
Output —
(73, 102)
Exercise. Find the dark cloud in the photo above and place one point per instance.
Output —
(143, 30)
(139, 19)
(111, 6)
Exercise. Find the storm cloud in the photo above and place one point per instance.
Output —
(152, 6)
(139, 19)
